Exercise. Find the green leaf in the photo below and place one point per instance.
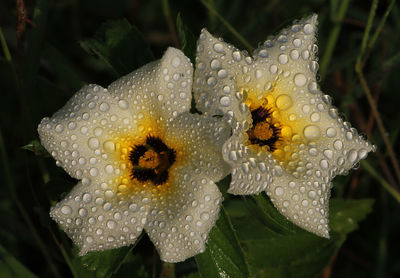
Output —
(106, 263)
(282, 251)
(345, 215)
(120, 45)
(223, 256)
(187, 39)
(37, 148)
(262, 208)
(10, 267)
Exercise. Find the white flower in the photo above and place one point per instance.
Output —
(142, 160)
(287, 137)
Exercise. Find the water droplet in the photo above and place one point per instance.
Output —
(109, 146)
(123, 104)
(273, 69)
(205, 216)
(66, 210)
(338, 145)
(297, 42)
(304, 203)
(225, 101)
(211, 81)
(312, 132)
(283, 102)
(104, 107)
(300, 80)
(294, 54)
(279, 191)
(111, 224)
(93, 143)
(305, 54)
(93, 172)
(283, 59)
(222, 73)
(87, 198)
(218, 47)
(176, 62)
(308, 28)
(315, 117)
(215, 64)
(324, 164)
(312, 87)
(352, 156)
(59, 128)
(331, 132)
(83, 212)
(328, 154)
(236, 56)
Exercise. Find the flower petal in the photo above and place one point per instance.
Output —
(95, 223)
(180, 220)
(165, 85)
(217, 66)
(292, 129)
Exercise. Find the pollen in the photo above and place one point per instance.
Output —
(149, 159)
(263, 131)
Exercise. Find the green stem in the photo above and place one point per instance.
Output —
(395, 194)
(170, 22)
(229, 26)
(5, 47)
(367, 30)
(333, 37)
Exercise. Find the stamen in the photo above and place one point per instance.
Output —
(149, 159)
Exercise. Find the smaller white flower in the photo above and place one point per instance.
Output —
(287, 137)
(142, 160)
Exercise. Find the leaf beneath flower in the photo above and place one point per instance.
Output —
(223, 256)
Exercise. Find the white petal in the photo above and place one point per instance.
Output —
(81, 135)
(96, 222)
(164, 85)
(180, 220)
(251, 172)
(179, 224)
(217, 67)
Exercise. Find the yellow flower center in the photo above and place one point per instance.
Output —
(277, 127)
(263, 131)
(150, 160)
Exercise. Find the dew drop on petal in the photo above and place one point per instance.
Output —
(104, 107)
(312, 132)
(283, 102)
(218, 47)
(109, 146)
(93, 143)
(123, 104)
(225, 101)
(279, 191)
(215, 64)
(308, 28)
(300, 80)
(66, 210)
(236, 56)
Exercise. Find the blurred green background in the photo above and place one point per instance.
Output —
(59, 46)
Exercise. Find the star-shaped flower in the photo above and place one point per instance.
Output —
(287, 137)
(142, 160)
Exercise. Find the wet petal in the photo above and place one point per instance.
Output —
(94, 221)
(164, 85)
(290, 126)
(180, 219)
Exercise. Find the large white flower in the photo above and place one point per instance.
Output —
(142, 160)
(287, 137)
